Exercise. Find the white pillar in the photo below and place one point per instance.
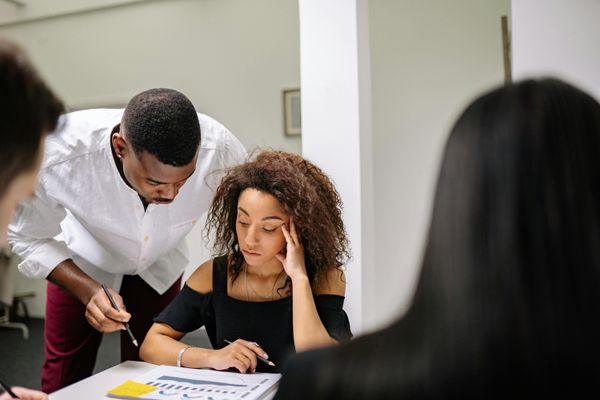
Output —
(336, 126)
(559, 38)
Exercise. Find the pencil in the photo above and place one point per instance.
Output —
(271, 363)
(112, 301)
(7, 390)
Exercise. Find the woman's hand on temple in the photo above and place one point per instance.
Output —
(293, 259)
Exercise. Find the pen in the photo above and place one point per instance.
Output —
(7, 390)
(112, 301)
(271, 363)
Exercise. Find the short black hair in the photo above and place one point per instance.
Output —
(164, 123)
(28, 110)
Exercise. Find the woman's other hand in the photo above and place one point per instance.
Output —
(240, 355)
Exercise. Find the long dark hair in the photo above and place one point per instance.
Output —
(508, 299)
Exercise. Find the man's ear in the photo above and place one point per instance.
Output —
(119, 144)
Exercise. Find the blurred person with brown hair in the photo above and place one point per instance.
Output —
(28, 111)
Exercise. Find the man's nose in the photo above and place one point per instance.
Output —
(169, 192)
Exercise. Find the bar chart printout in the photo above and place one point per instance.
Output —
(174, 383)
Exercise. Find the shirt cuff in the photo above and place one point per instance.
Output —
(44, 259)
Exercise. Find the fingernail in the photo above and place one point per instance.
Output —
(265, 355)
(123, 328)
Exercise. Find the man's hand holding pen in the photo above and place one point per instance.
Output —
(102, 315)
(98, 310)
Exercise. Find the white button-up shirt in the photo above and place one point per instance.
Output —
(83, 210)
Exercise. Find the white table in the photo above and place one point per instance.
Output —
(96, 386)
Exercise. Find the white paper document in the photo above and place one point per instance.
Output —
(175, 383)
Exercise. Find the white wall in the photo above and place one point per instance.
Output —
(428, 58)
(231, 57)
(336, 126)
(559, 38)
(14, 12)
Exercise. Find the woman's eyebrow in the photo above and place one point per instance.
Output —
(272, 217)
(275, 217)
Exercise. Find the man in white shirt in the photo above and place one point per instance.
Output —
(118, 193)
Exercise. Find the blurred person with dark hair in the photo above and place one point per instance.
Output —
(119, 191)
(276, 284)
(28, 111)
(509, 293)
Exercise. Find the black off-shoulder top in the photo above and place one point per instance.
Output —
(268, 323)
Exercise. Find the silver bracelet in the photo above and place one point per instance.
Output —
(180, 355)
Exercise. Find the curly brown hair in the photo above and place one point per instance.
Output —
(304, 191)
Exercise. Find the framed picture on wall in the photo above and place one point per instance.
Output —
(292, 112)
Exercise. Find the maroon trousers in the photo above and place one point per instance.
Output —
(71, 344)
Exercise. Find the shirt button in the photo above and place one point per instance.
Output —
(146, 238)
(143, 258)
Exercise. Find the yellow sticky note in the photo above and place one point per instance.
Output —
(132, 389)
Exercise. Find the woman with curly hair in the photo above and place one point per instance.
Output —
(277, 284)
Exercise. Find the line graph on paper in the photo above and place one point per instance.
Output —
(185, 383)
